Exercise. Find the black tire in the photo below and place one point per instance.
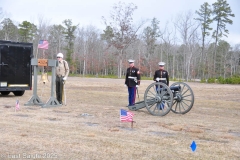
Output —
(18, 93)
(5, 93)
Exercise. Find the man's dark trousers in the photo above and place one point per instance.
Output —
(59, 88)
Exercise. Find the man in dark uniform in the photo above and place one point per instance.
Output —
(132, 81)
(161, 75)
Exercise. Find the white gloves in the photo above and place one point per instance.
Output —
(157, 79)
(64, 78)
(125, 85)
(137, 86)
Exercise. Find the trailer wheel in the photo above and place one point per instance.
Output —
(18, 93)
(5, 93)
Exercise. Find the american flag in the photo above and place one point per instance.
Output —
(43, 44)
(126, 116)
(17, 105)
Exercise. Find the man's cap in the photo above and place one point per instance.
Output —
(161, 63)
(131, 61)
(60, 55)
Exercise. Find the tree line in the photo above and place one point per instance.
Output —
(192, 45)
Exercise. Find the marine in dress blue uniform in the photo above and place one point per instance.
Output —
(132, 81)
(161, 75)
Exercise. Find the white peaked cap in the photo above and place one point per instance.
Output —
(131, 61)
(161, 63)
(60, 55)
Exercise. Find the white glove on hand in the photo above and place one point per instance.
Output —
(157, 79)
(125, 85)
(137, 86)
(64, 78)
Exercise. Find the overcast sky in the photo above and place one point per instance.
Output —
(89, 12)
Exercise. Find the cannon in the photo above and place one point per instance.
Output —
(159, 99)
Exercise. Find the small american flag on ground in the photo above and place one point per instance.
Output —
(126, 116)
(17, 107)
(43, 44)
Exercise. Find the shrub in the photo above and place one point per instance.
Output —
(211, 80)
(203, 80)
(221, 80)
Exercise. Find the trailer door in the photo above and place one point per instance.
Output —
(4, 65)
(15, 65)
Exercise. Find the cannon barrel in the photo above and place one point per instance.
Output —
(175, 88)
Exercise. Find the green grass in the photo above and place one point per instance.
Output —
(231, 80)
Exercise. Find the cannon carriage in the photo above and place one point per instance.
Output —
(159, 99)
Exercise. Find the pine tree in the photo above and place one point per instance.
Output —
(204, 14)
(221, 14)
(69, 36)
(27, 31)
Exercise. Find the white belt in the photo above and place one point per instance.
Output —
(132, 77)
(160, 79)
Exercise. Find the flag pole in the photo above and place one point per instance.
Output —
(15, 105)
(132, 124)
(43, 54)
(37, 53)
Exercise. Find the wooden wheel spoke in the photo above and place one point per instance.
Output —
(184, 102)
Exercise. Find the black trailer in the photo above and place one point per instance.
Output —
(15, 67)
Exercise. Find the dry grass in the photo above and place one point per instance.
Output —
(88, 127)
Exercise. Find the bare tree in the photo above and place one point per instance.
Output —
(150, 35)
(235, 65)
(89, 49)
(120, 31)
(9, 30)
(56, 39)
(42, 34)
(187, 29)
(1, 14)
(168, 47)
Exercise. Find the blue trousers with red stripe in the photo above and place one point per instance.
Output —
(160, 105)
(132, 95)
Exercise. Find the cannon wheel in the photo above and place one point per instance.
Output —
(158, 99)
(182, 100)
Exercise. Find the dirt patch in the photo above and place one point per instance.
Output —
(88, 127)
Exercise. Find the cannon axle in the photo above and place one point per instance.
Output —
(178, 98)
(158, 99)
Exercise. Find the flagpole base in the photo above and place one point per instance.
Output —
(52, 102)
(34, 100)
(132, 124)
